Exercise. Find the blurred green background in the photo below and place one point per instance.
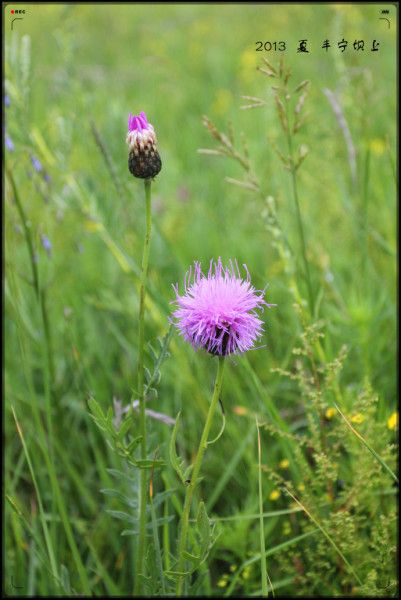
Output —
(67, 66)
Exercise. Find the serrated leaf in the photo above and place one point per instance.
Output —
(156, 377)
(109, 423)
(122, 476)
(176, 574)
(125, 427)
(203, 527)
(152, 352)
(133, 444)
(148, 375)
(132, 503)
(153, 379)
(153, 391)
(161, 521)
(123, 516)
(176, 462)
(148, 463)
(130, 532)
(98, 423)
(191, 557)
(97, 413)
(161, 497)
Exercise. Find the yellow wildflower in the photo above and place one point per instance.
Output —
(233, 568)
(357, 418)
(392, 421)
(284, 464)
(301, 487)
(93, 226)
(286, 528)
(377, 146)
(330, 412)
(248, 62)
(246, 572)
(222, 582)
(275, 495)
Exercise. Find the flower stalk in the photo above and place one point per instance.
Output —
(141, 388)
(143, 162)
(195, 475)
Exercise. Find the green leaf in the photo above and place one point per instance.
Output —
(187, 474)
(176, 462)
(191, 557)
(148, 375)
(154, 378)
(122, 476)
(123, 516)
(65, 579)
(97, 413)
(161, 497)
(148, 463)
(130, 532)
(109, 420)
(133, 444)
(161, 521)
(204, 529)
(131, 502)
(125, 427)
(177, 574)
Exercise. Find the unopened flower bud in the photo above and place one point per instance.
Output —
(143, 160)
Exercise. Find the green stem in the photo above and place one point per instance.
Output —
(195, 473)
(141, 390)
(27, 233)
(299, 216)
(49, 378)
(265, 592)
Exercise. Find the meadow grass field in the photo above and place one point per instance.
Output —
(297, 496)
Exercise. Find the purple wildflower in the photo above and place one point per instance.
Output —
(37, 165)
(218, 311)
(46, 243)
(9, 143)
(144, 160)
(7, 100)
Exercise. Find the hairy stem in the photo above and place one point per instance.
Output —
(195, 474)
(141, 551)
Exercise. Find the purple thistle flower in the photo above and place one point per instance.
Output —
(218, 311)
(9, 143)
(144, 160)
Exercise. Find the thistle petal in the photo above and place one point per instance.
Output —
(218, 311)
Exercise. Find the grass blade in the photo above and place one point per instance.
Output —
(326, 535)
(263, 565)
(365, 443)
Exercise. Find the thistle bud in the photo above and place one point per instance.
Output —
(143, 160)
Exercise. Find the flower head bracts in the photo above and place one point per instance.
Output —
(218, 311)
(144, 160)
